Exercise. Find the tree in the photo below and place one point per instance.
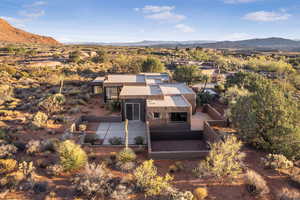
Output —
(269, 120)
(187, 74)
(152, 64)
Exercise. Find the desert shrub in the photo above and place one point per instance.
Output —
(27, 169)
(7, 150)
(148, 181)
(39, 119)
(287, 194)
(277, 161)
(2, 134)
(6, 92)
(200, 193)
(126, 167)
(256, 185)
(7, 165)
(54, 170)
(91, 138)
(126, 155)
(186, 195)
(178, 166)
(139, 140)
(40, 187)
(53, 104)
(71, 155)
(115, 141)
(33, 147)
(50, 145)
(114, 106)
(224, 159)
(120, 192)
(11, 181)
(93, 181)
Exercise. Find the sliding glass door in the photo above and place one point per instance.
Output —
(132, 111)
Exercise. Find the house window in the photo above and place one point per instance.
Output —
(112, 93)
(178, 117)
(156, 115)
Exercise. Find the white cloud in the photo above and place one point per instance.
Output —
(36, 4)
(157, 9)
(32, 13)
(239, 1)
(161, 13)
(264, 16)
(184, 28)
(166, 16)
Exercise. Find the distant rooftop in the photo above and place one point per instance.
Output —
(169, 101)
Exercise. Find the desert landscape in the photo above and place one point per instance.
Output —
(148, 120)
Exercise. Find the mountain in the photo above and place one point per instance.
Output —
(147, 43)
(265, 43)
(273, 43)
(10, 34)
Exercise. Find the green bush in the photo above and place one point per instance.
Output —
(204, 98)
(126, 155)
(148, 181)
(277, 161)
(224, 159)
(139, 140)
(71, 155)
(115, 141)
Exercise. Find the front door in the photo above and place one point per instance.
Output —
(132, 111)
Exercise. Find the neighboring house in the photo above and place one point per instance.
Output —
(150, 97)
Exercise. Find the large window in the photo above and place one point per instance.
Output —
(178, 117)
(112, 93)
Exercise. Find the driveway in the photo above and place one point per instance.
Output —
(107, 130)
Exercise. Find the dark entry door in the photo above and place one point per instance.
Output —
(133, 111)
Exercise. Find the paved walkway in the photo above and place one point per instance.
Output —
(107, 130)
(197, 121)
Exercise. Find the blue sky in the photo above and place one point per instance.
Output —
(136, 20)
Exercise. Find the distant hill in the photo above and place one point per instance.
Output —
(147, 43)
(266, 43)
(10, 34)
(252, 44)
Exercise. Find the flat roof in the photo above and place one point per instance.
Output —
(99, 79)
(140, 90)
(125, 78)
(169, 101)
(175, 88)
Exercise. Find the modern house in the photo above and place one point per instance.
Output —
(150, 97)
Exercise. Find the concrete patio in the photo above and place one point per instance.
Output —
(107, 130)
(197, 120)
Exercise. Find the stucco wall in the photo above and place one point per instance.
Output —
(164, 121)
